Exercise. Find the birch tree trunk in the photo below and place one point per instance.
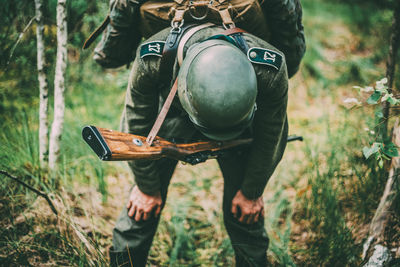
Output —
(43, 86)
(59, 85)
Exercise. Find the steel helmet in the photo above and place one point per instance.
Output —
(217, 87)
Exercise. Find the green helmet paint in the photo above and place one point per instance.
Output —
(217, 86)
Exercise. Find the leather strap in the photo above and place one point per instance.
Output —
(166, 69)
(163, 113)
(186, 36)
(233, 31)
(226, 17)
(237, 35)
(96, 32)
(170, 50)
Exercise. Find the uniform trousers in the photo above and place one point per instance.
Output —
(132, 240)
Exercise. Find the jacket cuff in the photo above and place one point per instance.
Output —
(146, 176)
(253, 192)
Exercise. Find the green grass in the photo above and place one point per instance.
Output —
(78, 164)
(318, 203)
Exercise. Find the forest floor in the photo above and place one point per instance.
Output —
(318, 203)
(195, 195)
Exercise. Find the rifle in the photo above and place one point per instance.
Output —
(110, 145)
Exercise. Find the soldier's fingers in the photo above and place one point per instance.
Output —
(138, 216)
(250, 219)
(129, 204)
(243, 218)
(256, 217)
(234, 210)
(157, 212)
(132, 211)
(146, 216)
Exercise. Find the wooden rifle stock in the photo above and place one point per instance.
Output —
(112, 145)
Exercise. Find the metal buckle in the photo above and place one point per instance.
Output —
(177, 26)
(228, 26)
(192, 9)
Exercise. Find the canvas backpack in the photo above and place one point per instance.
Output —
(156, 15)
(130, 20)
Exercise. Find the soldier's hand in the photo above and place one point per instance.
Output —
(140, 206)
(247, 210)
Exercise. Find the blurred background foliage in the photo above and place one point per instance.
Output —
(18, 57)
(320, 200)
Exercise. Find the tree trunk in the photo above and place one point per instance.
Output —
(391, 64)
(43, 86)
(379, 221)
(59, 84)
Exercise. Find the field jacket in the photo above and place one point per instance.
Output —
(147, 91)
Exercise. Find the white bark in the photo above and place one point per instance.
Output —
(59, 84)
(43, 86)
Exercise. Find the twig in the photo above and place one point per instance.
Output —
(19, 40)
(40, 193)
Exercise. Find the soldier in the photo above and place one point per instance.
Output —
(224, 94)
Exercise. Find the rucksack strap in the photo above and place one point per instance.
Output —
(186, 36)
(233, 31)
(170, 50)
(237, 35)
(221, 6)
(96, 32)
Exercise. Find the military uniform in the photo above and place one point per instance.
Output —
(248, 171)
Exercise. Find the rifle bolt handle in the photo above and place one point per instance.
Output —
(137, 142)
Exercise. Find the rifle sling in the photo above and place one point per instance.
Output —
(166, 69)
(163, 113)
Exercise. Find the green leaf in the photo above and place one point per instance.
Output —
(373, 99)
(380, 163)
(368, 151)
(393, 101)
(379, 114)
(390, 150)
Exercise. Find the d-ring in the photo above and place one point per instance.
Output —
(191, 10)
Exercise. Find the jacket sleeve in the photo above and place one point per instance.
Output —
(141, 109)
(287, 32)
(270, 130)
